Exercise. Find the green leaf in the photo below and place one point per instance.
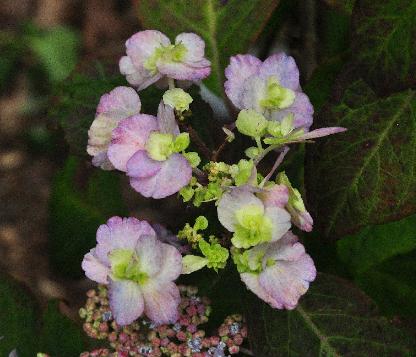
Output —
(333, 319)
(59, 336)
(374, 245)
(17, 319)
(366, 175)
(228, 27)
(381, 260)
(57, 51)
(76, 212)
(333, 32)
(383, 39)
(392, 285)
(319, 86)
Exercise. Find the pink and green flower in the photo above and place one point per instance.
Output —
(151, 57)
(139, 270)
(278, 273)
(271, 88)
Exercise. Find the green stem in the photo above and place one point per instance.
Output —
(171, 83)
(264, 153)
(258, 142)
(277, 163)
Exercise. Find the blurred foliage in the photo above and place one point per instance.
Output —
(81, 200)
(17, 319)
(22, 328)
(54, 52)
(56, 49)
(59, 336)
(11, 52)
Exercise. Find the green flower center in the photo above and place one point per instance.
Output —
(160, 146)
(277, 97)
(248, 261)
(167, 54)
(252, 227)
(125, 265)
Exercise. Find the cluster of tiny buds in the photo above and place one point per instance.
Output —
(144, 338)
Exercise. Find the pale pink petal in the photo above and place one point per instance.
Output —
(194, 66)
(287, 281)
(166, 119)
(302, 110)
(253, 91)
(138, 77)
(94, 269)
(232, 201)
(161, 302)
(149, 251)
(126, 66)
(240, 68)
(282, 67)
(175, 173)
(252, 282)
(171, 264)
(280, 219)
(140, 165)
(99, 138)
(120, 103)
(288, 239)
(142, 45)
(130, 136)
(194, 44)
(126, 301)
(284, 249)
(276, 196)
(120, 233)
(184, 71)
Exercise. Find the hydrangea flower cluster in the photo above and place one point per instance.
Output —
(146, 338)
(257, 211)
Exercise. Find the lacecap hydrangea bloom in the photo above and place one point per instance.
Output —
(150, 150)
(139, 270)
(139, 265)
(151, 57)
(120, 103)
(278, 273)
(271, 88)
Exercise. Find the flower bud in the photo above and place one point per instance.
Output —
(178, 99)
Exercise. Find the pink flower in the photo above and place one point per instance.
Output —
(120, 103)
(285, 273)
(139, 271)
(270, 87)
(151, 57)
(144, 147)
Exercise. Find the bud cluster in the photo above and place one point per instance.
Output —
(144, 338)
